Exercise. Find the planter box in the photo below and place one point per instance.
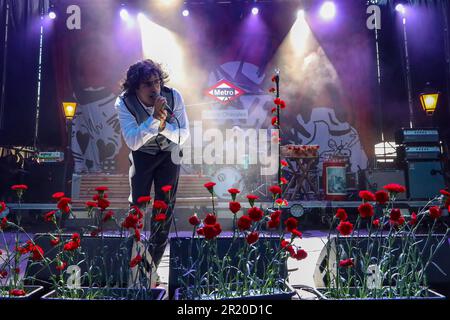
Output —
(32, 293)
(280, 295)
(320, 294)
(111, 294)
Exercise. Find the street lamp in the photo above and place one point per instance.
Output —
(69, 112)
(429, 99)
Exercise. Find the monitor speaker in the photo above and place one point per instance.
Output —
(424, 179)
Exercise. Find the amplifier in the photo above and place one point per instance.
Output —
(424, 179)
(419, 153)
(376, 179)
(406, 136)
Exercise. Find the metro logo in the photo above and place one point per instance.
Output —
(224, 91)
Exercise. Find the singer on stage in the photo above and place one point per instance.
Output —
(147, 110)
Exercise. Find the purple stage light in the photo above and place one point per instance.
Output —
(124, 14)
(52, 15)
(185, 13)
(400, 8)
(255, 11)
(328, 10)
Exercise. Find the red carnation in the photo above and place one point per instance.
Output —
(160, 217)
(54, 242)
(274, 78)
(445, 193)
(366, 210)
(283, 163)
(101, 189)
(273, 110)
(17, 292)
(296, 233)
(194, 220)
(166, 188)
(345, 228)
(281, 202)
(108, 216)
(299, 255)
(346, 263)
(2, 206)
(275, 190)
(366, 195)
(160, 205)
(252, 237)
(210, 219)
(71, 245)
(200, 232)
(234, 206)
(91, 204)
(234, 191)
(61, 265)
(435, 212)
(255, 213)
(211, 231)
(58, 195)
(381, 197)
(394, 188)
(291, 224)
(395, 214)
(49, 216)
(283, 180)
(274, 121)
(37, 253)
(376, 223)
(341, 214)
(413, 220)
(144, 199)
(282, 104)
(273, 223)
(3, 274)
(103, 203)
(63, 204)
(252, 197)
(272, 90)
(209, 186)
(277, 101)
(19, 187)
(135, 261)
(244, 222)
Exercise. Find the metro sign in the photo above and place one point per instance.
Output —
(224, 91)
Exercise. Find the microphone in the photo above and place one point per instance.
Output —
(165, 107)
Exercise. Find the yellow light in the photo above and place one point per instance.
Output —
(69, 109)
(429, 102)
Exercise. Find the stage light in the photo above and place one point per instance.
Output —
(429, 99)
(52, 15)
(400, 8)
(255, 11)
(185, 12)
(124, 14)
(328, 10)
(69, 109)
(300, 14)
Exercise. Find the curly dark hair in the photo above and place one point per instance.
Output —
(140, 72)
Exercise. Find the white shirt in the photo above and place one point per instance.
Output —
(136, 136)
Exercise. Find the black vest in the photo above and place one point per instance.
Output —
(158, 143)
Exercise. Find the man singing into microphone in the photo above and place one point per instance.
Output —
(147, 110)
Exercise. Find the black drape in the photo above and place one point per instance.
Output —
(19, 69)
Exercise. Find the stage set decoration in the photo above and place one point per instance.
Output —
(316, 166)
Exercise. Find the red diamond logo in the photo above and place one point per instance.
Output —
(224, 91)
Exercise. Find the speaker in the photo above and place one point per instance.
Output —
(376, 179)
(440, 281)
(43, 179)
(185, 251)
(424, 179)
(108, 259)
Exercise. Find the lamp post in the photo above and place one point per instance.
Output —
(429, 99)
(69, 112)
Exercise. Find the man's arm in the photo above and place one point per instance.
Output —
(135, 135)
(171, 129)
